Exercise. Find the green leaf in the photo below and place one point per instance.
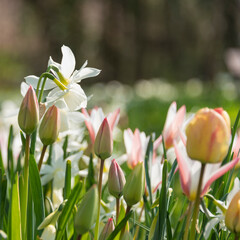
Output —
(120, 226)
(64, 147)
(161, 222)
(90, 177)
(67, 210)
(15, 212)
(1, 162)
(36, 190)
(3, 192)
(10, 154)
(147, 162)
(67, 187)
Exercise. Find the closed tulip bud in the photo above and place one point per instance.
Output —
(50, 125)
(49, 233)
(28, 116)
(87, 211)
(135, 185)
(208, 135)
(116, 179)
(107, 230)
(126, 236)
(232, 217)
(103, 144)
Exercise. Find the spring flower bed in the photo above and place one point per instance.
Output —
(69, 172)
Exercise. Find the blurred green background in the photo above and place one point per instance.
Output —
(150, 52)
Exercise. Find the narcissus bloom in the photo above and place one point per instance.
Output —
(28, 115)
(208, 135)
(172, 126)
(66, 92)
(189, 171)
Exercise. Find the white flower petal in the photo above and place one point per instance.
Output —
(85, 73)
(68, 62)
(210, 225)
(24, 88)
(46, 178)
(75, 98)
(33, 80)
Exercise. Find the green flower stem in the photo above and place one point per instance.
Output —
(99, 198)
(196, 205)
(236, 237)
(123, 229)
(117, 208)
(25, 189)
(189, 214)
(41, 157)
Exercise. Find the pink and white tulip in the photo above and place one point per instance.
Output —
(136, 146)
(190, 172)
(173, 125)
(95, 119)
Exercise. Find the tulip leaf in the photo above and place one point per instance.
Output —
(3, 192)
(67, 186)
(120, 226)
(36, 190)
(15, 217)
(90, 180)
(147, 163)
(10, 163)
(161, 222)
(67, 210)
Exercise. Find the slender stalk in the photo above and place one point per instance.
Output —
(123, 229)
(236, 237)
(99, 198)
(189, 214)
(196, 205)
(41, 157)
(25, 189)
(117, 208)
(79, 237)
(139, 219)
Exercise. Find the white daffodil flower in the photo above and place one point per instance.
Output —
(66, 92)
(56, 171)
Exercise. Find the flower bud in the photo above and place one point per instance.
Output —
(135, 185)
(232, 217)
(28, 115)
(50, 125)
(49, 233)
(208, 136)
(103, 144)
(126, 236)
(116, 179)
(87, 211)
(107, 230)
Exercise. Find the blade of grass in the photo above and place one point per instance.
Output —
(161, 222)
(67, 210)
(36, 190)
(67, 186)
(15, 211)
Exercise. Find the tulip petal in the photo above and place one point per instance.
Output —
(221, 171)
(89, 125)
(113, 118)
(183, 170)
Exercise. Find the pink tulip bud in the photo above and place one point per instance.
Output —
(103, 145)
(208, 136)
(107, 230)
(116, 179)
(28, 116)
(50, 125)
